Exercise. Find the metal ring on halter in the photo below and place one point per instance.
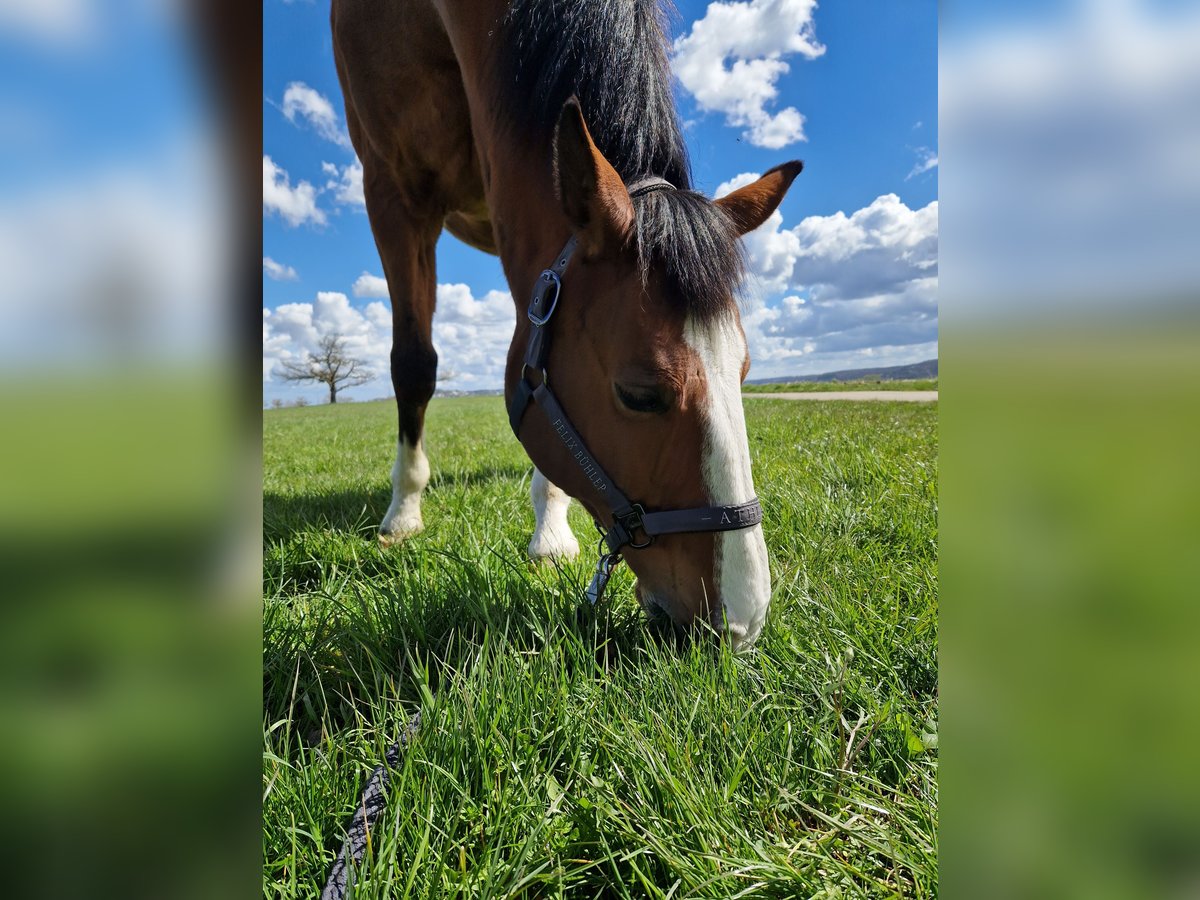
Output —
(525, 372)
(638, 514)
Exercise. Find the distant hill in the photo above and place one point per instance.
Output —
(450, 392)
(921, 370)
(926, 369)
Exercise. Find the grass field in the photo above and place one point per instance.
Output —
(573, 752)
(820, 387)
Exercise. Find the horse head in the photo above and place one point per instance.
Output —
(647, 358)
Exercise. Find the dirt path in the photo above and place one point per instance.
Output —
(907, 396)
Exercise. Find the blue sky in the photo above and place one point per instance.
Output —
(844, 275)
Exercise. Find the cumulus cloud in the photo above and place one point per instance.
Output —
(470, 334)
(293, 330)
(876, 250)
(308, 105)
(278, 271)
(346, 183)
(732, 59)
(368, 285)
(859, 289)
(296, 205)
(831, 292)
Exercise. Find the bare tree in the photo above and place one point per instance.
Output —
(330, 366)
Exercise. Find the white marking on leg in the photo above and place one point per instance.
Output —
(410, 474)
(742, 574)
(552, 536)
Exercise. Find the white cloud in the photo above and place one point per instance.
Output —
(310, 105)
(732, 59)
(368, 285)
(296, 205)
(278, 271)
(471, 335)
(832, 292)
(876, 250)
(346, 182)
(926, 159)
(858, 289)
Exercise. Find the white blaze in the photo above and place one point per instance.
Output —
(742, 575)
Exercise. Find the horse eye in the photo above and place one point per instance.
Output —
(643, 399)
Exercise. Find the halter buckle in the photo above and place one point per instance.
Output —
(633, 522)
(621, 533)
(548, 285)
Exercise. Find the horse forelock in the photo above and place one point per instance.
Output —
(693, 246)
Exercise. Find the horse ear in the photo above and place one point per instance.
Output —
(591, 192)
(751, 205)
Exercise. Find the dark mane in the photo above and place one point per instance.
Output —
(613, 56)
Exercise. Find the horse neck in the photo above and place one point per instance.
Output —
(530, 227)
(527, 219)
(526, 214)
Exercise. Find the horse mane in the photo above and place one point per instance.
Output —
(613, 56)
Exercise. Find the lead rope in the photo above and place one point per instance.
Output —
(628, 518)
(370, 807)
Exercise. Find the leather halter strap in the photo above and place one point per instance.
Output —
(629, 520)
(648, 186)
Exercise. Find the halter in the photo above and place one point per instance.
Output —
(629, 519)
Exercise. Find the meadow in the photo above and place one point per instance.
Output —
(572, 751)
(820, 387)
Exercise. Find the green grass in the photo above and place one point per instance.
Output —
(568, 751)
(820, 387)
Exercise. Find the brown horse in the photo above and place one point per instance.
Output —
(516, 124)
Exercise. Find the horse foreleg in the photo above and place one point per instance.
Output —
(414, 376)
(406, 240)
(552, 536)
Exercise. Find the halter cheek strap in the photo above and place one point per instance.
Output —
(632, 525)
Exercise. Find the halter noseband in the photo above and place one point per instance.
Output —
(628, 518)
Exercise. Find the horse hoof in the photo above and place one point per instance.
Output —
(400, 531)
(550, 547)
